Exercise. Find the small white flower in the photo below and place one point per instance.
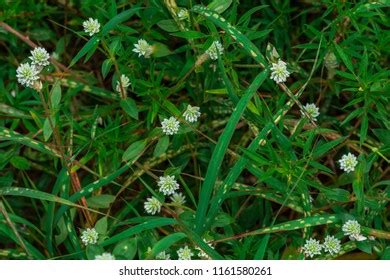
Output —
(191, 114)
(348, 162)
(184, 253)
(170, 126)
(214, 50)
(124, 81)
(105, 256)
(178, 198)
(91, 26)
(279, 72)
(331, 245)
(352, 228)
(168, 185)
(27, 74)
(163, 256)
(89, 236)
(39, 57)
(183, 14)
(312, 110)
(312, 247)
(152, 205)
(143, 48)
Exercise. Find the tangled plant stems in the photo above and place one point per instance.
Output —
(173, 130)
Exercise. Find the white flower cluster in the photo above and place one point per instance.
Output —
(191, 114)
(313, 247)
(312, 110)
(215, 50)
(124, 83)
(28, 73)
(89, 236)
(168, 185)
(152, 205)
(171, 126)
(348, 162)
(279, 72)
(39, 57)
(142, 48)
(105, 257)
(184, 253)
(352, 229)
(91, 26)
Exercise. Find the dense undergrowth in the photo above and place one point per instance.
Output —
(283, 152)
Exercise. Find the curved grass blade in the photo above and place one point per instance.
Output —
(9, 135)
(292, 225)
(154, 223)
(234, 32)
(166, 242)
(220, 150)
(119, 18)
(92, 43)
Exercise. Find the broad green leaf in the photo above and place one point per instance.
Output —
(189, 35)
(48, 128)
(126, 249)
(168, 25)
(100, 201)
(130, 107)
(160, 50)
(106, 67)
(55, 97)
(134, 151)
(93, 250)
(162, 146)
(101, 226)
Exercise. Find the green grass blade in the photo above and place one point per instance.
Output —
(220, 150)
(151, 224)
(119, 18)
(166, 242)
(9, 135)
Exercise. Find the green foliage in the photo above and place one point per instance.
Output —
(258, 173)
